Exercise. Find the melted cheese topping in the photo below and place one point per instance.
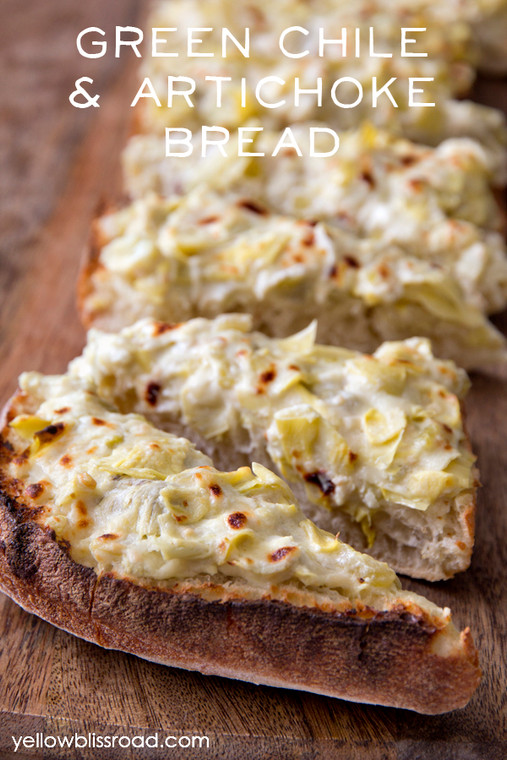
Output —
(206, 254)
(449, 64)
(435, 203)
(132, 499)
(359, 431)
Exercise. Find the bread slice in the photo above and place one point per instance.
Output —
(374, 446)
(208, 253)
(129, 537)
(449, 69)
(435, 204)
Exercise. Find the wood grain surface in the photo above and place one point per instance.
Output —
(57, 164)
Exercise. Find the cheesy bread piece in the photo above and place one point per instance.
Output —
(129, 537)
(208, 253)
(434, 203)
(448, 70)
(374, 446)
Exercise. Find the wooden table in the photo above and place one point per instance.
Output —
(58, 162)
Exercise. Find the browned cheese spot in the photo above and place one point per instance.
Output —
(50, 433)
(66, 460)
(409, 159)
(108, 537)
(151, 394)
(352, 262)
(416, 184)
(269, 375)
(98, 421)
(34, 490)
(215, 489)
(81, 508)
(209, 220)
(367, 177)
(309, 238)
(352, 457)
(63, 410)
(265, 378)
(321, 480)
(255, 208)
(237, 520)
(281, 553)
(159, 328)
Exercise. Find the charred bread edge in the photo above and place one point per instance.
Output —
(90, 264)
(382, 657)
(386, 659)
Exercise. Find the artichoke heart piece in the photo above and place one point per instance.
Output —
(381, 428)
(390, 378)
(27, 425)
(40, 433)
(151, 460)
(421, 489)
(300, 437)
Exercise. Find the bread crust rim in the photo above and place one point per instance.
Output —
(392, 657)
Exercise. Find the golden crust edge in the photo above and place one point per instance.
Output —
(390, 658)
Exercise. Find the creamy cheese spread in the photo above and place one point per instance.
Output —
(435, 203)
(132, 499)
(359, 431)
(449, 67)
(208, 253)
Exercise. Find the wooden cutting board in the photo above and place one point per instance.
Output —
(58, 163)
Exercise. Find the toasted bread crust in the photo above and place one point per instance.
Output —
(399, 657)
(90, 265)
